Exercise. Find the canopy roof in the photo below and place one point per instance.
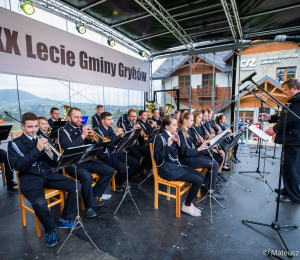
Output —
(164, 26)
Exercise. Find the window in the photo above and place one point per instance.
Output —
(208, 79)
(284, 74)
(246, 115)
(184, 81)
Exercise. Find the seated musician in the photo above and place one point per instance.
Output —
(137, 150)
(96, 118)
(109, 156)
(220, 120)
(166, 147)
(25, 154)
(162, 112)
(43, 125)
(54, 116)
(73, 135)
(155, 116)
(9, 175)
(183, 111)
(123, 118)
(207, 126)
(143, 121)
(197, 157)
(176, 114)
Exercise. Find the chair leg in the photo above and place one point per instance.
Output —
(37, 226)
(3, 174)
(168, 191)
(156, 195)
(113, 183)
(178, 202)
(82, 204)
(22, 210)
(199, 193)
(62, 201)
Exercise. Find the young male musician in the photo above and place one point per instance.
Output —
(25, 154)
(162, 112)
(43, 125)
(73, 135)
(155, 116)
(54, 115)
(137, 150)
(143, 121)
(109, 156)
(96, 118)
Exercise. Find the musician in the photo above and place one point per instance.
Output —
(183, 111)
(25, 154)
(162, 112)
(9, 175)
(43, 125)
(221, 121)
(291, 169)
(73, 135)
(54, 116)
(123, 118)
(195, 156)
(155, 116)
(143, 121)
(109, 156)
(166, 147)
(137, 150)
(176, 114)
(96, 118)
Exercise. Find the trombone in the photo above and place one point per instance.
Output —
(96, 137)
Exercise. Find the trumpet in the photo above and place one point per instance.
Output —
(48, 132)
(150, 123)
(144, 136)
(96, 137)
(49, 149)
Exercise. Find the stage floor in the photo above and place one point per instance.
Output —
(158, 234)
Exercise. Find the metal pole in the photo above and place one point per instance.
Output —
(150, 80)
(233, 89)
(213, 86)
(18, 96)
(238, 99)
(190, 99)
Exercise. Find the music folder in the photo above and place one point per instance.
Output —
(151, 136)
(55, 128)
(261, 134)
(128, 139)
(4, 131)
(218, 139)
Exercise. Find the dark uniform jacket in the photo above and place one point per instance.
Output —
(33, 166)
(158, 121)
(50, 122)
(123, 118)
(105, 133)
(292, 131)
(168, 169)
(146, 127)
(95, 120)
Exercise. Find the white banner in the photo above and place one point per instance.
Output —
(32, 48)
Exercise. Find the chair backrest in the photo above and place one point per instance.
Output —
(155, 169)
(61, 152)
(16, 134)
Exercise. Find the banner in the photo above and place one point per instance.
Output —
(31, 48)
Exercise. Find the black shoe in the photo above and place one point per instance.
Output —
(237, 161)
(99, 203)
(285, 199)
(204, 189)
(90, 214)
(120, 187)
(222, 177)
(282, 191)
(219, 184)
(134, 178)
(217, 195)
(11, 184)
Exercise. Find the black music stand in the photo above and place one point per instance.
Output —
(215, 142)
(55, 128)
(127, 141)
(4, 132)
(72, 157)
(150, 140)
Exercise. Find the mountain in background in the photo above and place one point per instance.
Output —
(11, 96)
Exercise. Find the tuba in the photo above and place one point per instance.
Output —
(169, 108)
(65, 113)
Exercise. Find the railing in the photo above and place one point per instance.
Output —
(184, 91)
(206, 90)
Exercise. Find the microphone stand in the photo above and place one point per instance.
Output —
(6, 113)
(275, 224)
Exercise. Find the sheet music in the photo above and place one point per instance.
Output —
(218, 137)
(261, 134)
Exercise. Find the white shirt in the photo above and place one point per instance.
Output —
(30, 138)
(169, 134)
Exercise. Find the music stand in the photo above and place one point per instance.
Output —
(4, 131)
(150, 140)
(127, 141)
(71, 157)
(55, 128)
(215, 142)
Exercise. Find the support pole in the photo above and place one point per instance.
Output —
(233, 83)
(238, 99)
(213, 86)
(190, 99)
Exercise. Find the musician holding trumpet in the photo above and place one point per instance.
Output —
(26, 155)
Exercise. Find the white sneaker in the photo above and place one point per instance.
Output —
(196, 213)
(199, 210)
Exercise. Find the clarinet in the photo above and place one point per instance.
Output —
(217, 126)
(198, 136)
(209, 136)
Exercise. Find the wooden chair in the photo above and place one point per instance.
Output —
(49, 195)
(203, 170)
(178, 185)
(2, 172)
(16, 134)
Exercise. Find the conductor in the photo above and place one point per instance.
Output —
(291, 169)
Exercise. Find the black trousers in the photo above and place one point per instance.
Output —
(291, 172)
(8, 172)
(137, 151)
(84, 171)
(196, 179)
(40, 206)
(118, 162)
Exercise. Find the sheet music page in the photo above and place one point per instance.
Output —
(261, 134)
(217, 137)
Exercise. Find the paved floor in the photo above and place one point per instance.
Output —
(158, 234)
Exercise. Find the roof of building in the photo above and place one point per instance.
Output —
(171, 64)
